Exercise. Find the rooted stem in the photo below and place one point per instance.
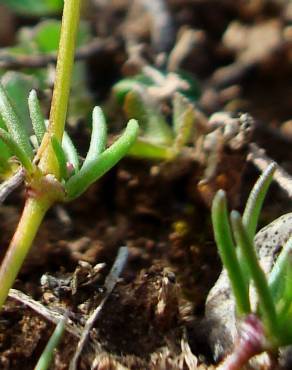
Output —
(32, 216)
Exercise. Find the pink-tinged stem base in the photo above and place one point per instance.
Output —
(250, 343)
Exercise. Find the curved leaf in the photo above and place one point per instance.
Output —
(88, 174)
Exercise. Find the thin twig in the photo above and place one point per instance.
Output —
(8, 186)
(259, 158)
(42, 310)
(96, 46)
(110, 283)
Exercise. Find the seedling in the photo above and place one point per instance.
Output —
(141, 98)
(269, 325)
(53, 172)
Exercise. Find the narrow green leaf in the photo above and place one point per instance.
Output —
(16, 150)
(88, 174)
(5, 153)
(60, 155)
(70, 151)
(144, 149)
(98, 136)
(13, 124)
(252, 211)
(287, 291)
(284, 305)
(46, 358)
(288, 281)
(36, 116)
(278, 273)
(266, 303)
(227, 252)
(255, 200)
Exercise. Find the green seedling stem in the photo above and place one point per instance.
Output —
(70, 22)
(45, 190)
(33, 213)
(228, 254)
(46, 358)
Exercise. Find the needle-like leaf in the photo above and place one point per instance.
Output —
(98, 136)
(36, 116)
(70, 151)
(255, 200)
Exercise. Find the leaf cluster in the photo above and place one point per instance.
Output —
(75, 176)
(234, 235)
(141, 99)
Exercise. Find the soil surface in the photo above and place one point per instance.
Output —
(241, 55)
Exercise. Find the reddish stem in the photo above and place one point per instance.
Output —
(251, 341)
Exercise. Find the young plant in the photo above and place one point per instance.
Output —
(141, 97)
(162, 84)
(54, 173)
(269, 325)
